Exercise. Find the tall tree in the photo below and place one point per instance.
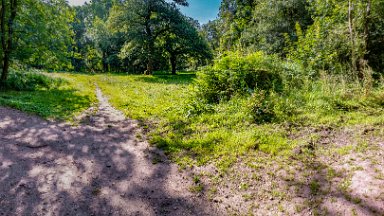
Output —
(251, 25)
(183, 40)
(144, 21)
(43, 34)
(92, 36)
(35, 33)
(8, 13)
(344, 34)
(211, 32)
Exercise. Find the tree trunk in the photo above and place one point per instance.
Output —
(173, 60)
(4, 75)
(3, 45)
(151, 41)
(7, 42)
(367, 21)
(150, 54)
(351, 35)
(149, 70)
(362, 63)
(105, 64)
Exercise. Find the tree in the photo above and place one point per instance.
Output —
(252, 25)
(8, 13)
(343, 34)
(374, 35)
(102, 38)
(143, 22)
(39, 36)
(211, 33)
(43, 34)
(183, 39)
(93, 40)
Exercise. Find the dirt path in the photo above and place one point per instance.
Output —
(96, 168)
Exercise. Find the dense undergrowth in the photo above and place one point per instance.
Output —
(48, 95)
(279, 91)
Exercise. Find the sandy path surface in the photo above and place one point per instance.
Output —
(98, 168)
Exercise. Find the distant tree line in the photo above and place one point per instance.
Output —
(101, 36)
(140, 36)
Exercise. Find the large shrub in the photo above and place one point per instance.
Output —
(235, 74)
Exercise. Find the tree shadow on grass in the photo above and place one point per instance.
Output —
(54, 169)
(55, 103)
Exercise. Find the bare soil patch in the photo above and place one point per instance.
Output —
(333, 171)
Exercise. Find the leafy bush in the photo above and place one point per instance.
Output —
(235, 74)
(265, 108)
(261, 107)
(29, 81)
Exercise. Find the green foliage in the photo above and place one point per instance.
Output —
(102, 35)
(50, 96)
(251, 26)
(235, 74)
(183, 40)
(341, 37)
(335, 36)
(29, 81)
(211, 32)
(271, 107)
(155, 32)
(287, 94)
(44, 34)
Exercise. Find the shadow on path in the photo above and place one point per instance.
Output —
(97, 169)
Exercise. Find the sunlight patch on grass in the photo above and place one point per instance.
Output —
(63, 102)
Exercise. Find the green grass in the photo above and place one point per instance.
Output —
(222, 132)
(334, 101)
(222, 135)
(61, 102)
(225, 131)
(146, 97)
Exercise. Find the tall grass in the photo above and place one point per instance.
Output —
(337, 100)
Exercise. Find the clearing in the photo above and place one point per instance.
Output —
(98, 167)
(218, 163)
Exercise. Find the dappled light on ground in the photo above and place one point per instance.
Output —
(95, 169)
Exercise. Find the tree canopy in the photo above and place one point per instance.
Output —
(322, 35)
(99, 36)
(145, 35)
